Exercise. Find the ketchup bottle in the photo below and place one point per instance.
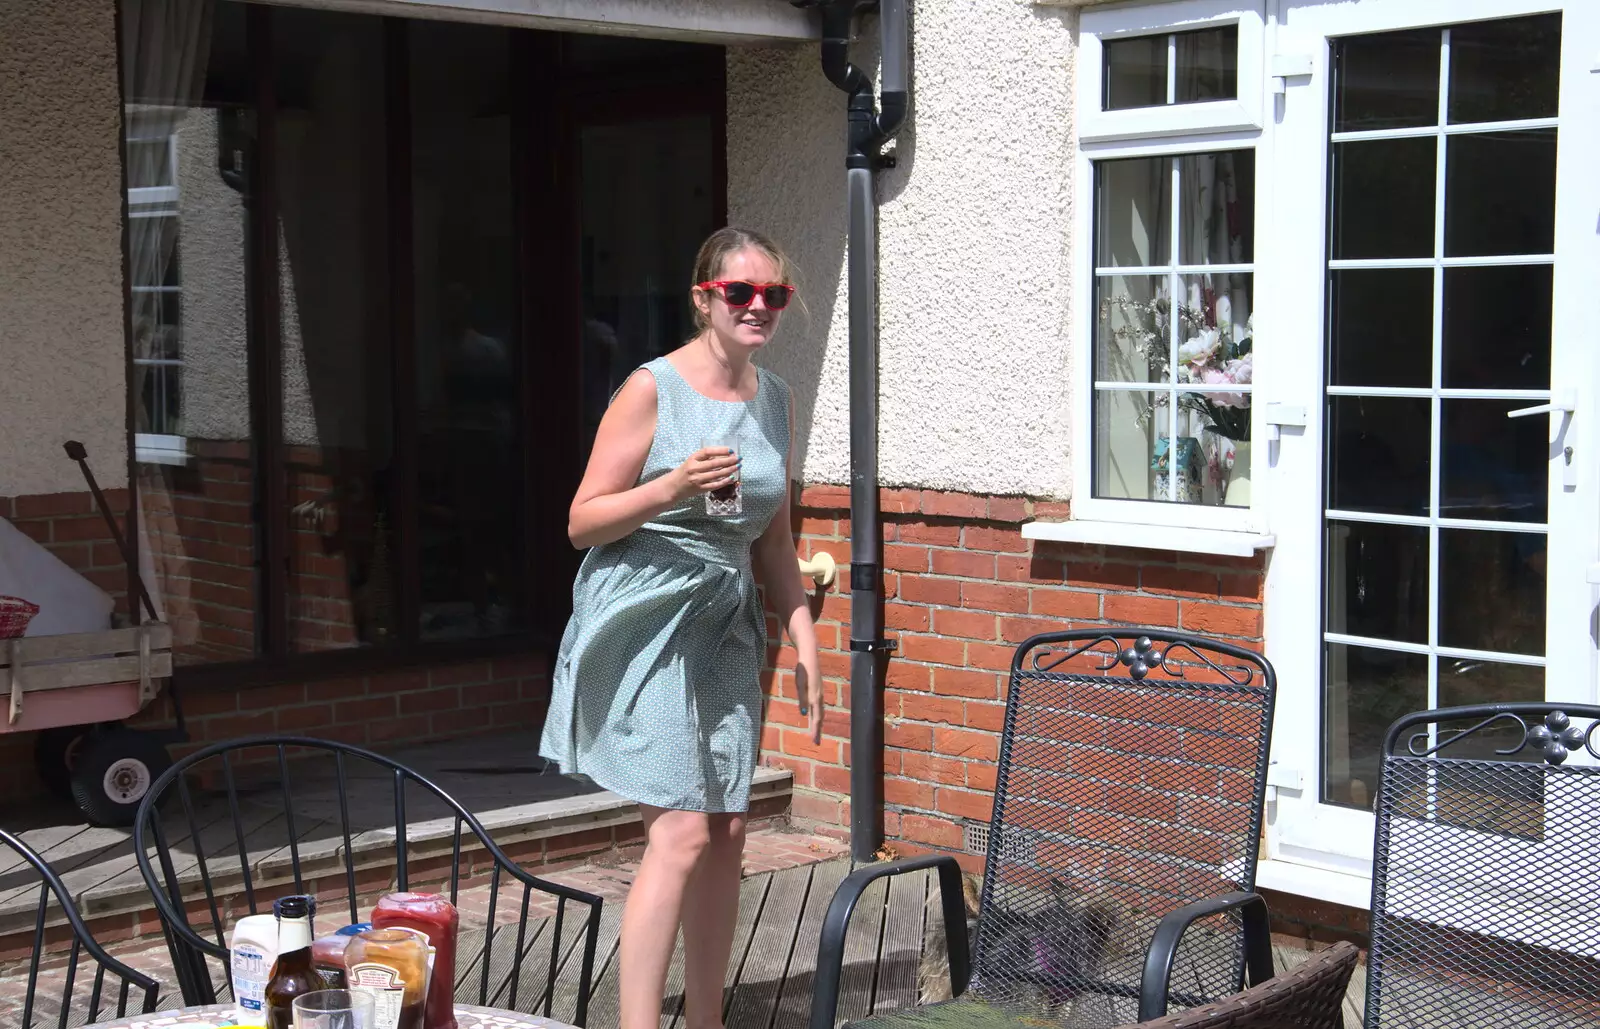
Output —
(436, 918)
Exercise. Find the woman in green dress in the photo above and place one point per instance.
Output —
(656, 692)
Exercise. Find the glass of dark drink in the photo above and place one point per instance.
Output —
(725, 501)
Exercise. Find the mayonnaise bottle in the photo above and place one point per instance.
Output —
(252, 952)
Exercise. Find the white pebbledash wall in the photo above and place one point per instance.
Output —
(62, 363)
(973, 247)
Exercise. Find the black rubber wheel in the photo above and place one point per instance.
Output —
(113, 773)
(55, 751)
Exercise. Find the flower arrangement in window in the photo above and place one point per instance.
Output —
(1215, 351)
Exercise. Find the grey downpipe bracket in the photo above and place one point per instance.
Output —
(870, 123)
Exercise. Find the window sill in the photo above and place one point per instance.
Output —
(1222, 542)
(1325, 884)
(160, 448)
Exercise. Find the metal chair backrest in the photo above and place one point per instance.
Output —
(1120, 798)
(134, 992)
(367, 826)
(1486, 869)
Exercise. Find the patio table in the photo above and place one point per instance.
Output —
(217, 1016)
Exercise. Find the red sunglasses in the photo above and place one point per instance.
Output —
(739, 293)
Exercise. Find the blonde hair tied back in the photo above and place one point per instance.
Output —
(721, 245)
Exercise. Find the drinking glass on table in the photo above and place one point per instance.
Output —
(725, 501)
(334, 1009)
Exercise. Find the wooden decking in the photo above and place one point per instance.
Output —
(771, 977)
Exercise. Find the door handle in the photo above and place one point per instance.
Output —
(1564, 401)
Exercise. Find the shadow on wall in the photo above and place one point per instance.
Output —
(789, 182)
(893, 181)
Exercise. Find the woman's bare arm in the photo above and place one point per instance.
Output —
(610, 502)
(780, 573)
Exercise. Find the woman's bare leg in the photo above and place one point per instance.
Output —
(710, 912)
(676, 843)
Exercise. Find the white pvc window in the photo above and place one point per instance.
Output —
(1169, 69)
(1170, 134)
(1191, 67)
(1173, 338)
(152, 169)
(155, 284)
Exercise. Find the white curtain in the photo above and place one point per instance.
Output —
(165, 51)
(1210, 203)
(165, 46)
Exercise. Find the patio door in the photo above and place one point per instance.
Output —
(638, 181)
(1437, 207)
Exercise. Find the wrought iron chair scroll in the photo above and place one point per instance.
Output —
(1121, 863)
(50, 886)
(1485, 887)
(242, 858)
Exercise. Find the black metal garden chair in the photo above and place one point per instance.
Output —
(241, 834)
(1486, 870)
(1122, 850)
(76, 1002)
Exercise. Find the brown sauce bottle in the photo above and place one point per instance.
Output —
(292, 974)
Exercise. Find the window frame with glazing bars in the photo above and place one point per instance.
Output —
(1243, 113)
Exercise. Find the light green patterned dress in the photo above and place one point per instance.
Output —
(656, 692)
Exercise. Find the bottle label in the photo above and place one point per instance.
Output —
(433, 953)
(388, 992)
(251, 970)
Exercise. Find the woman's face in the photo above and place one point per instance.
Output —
(748, 328)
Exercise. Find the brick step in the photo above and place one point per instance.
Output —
(542, 837)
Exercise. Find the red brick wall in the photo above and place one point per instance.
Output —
(199, 527)
(201, 524)
(963, 589)
(382, 710)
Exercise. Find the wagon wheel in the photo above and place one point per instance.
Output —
(114, 772)
(55, 753)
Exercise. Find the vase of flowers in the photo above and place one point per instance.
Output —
(1216, 353)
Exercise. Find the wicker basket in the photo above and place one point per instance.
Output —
(15, 614)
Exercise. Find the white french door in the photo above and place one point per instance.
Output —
(1436, 200)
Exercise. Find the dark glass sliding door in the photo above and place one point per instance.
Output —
(385, 274)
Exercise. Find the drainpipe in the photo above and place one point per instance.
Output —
(870, 124)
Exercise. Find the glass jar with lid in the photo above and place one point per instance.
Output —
(392, 965)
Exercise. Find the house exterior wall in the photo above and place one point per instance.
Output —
(973, 248)
(62, 366)
(963, 588)
(976, 349)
